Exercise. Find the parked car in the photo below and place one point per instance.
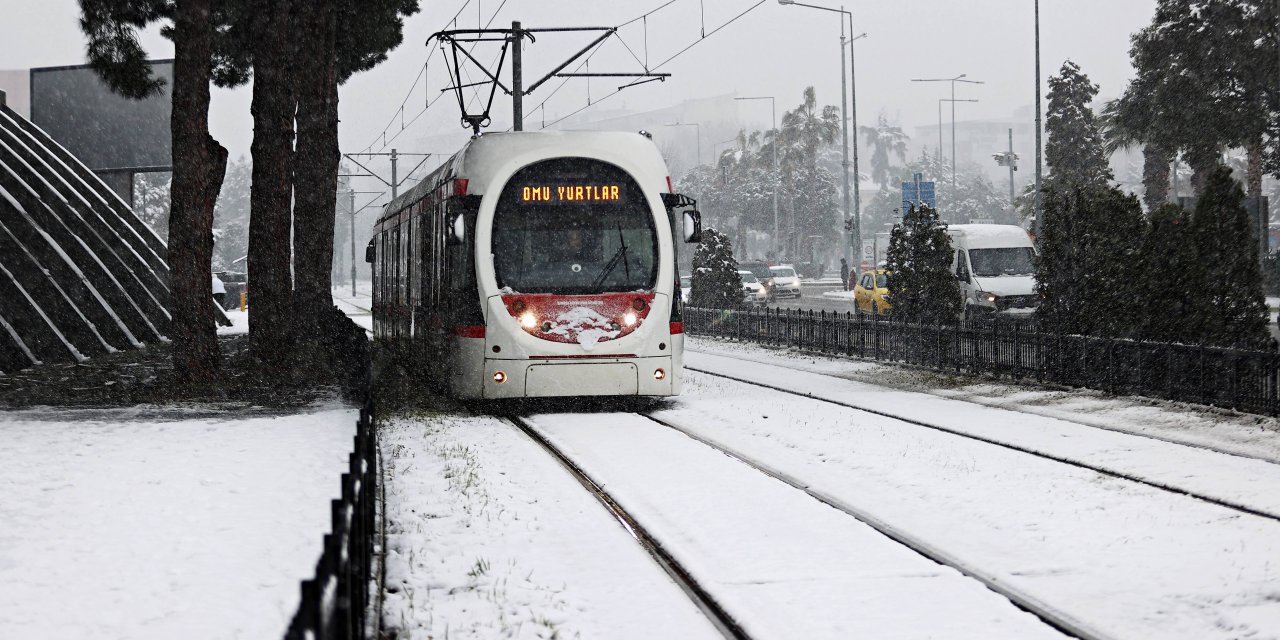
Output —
(786, 284)
(871, 293)
(753, 291)
(995, 266)
(762, 272)
(686, 285)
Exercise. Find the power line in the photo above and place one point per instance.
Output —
(659, 65)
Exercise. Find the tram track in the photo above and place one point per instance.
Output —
(1045, 612)
(710, 607)
(1114, 473)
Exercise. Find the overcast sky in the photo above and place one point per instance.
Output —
(771, 50)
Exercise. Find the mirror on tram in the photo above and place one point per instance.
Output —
(371, 251)
(692, 226)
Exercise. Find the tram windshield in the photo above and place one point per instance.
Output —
(574, 226)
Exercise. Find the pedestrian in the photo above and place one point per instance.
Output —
(219, 291)
(844, 273)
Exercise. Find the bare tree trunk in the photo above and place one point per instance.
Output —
(1254, 176)
(271, 314)
(316, 165)
(199, 165)
(1155, 176)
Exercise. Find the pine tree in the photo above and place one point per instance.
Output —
(1228, 250)
(1088, 266)
(1074, 151)
(715, 283)
(1168, 270)
(919, 263)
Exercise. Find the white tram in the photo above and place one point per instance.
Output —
(537, 264)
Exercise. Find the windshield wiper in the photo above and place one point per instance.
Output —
(613, 262)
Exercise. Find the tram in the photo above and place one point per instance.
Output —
(536, 264)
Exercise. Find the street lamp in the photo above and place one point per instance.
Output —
(854, 234)
(1008, 159)
(1039, 221)
(773, 115)
(697, 132)
(953, 159)
(953, 81)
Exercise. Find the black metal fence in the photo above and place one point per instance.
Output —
(1233, 378)
(336, 602)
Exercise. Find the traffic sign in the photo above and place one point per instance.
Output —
(916, 192)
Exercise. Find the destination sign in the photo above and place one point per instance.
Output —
(555, 194)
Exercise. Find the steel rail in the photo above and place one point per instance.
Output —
(1045, 612)
(1155, 484)
(715, 613)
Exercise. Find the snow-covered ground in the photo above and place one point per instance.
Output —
(1132, 560)
(1243, 434)
(163, 523)
(357, 307)
(489, 537)
(781, 563)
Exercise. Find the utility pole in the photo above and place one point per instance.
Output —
(517, 79)
(1013, 166)
(1039, 224)
(844, 147)
(351, 194)
(855, 240)
(953, 101)
(395, 184)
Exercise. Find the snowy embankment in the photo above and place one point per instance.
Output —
(489, 537)
(839, 295)
(1135, 561)
(357, 307)
(163, 523)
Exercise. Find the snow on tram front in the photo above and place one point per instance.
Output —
(538, 264)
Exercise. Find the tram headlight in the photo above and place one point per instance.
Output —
(629, 319)
(659, 374)
(527, 320)
(499, 377)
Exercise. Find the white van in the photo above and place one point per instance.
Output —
(995, 267)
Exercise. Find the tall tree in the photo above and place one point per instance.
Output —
(919, 264)
(1074, 151)
(1125, 123)
(885, 140)
(809, 190)
(199, 162)
(271, 320)
(1226, 243)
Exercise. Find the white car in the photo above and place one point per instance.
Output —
(786, 283)
(753, 292)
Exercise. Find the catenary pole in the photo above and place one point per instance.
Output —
(1039, 224)
(517, 80)
(844, 147)
(351, 194)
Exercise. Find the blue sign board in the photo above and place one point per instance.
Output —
(915, 192)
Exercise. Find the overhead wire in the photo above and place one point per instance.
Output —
(659, 65)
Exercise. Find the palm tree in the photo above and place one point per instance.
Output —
(1119, 131)
(885, 139)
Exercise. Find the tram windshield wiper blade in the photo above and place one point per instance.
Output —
(621, 255)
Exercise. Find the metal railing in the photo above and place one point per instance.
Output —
(335, 604)
(1240, 379)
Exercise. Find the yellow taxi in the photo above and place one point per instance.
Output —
(871, 294)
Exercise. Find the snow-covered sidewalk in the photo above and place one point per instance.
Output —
(488, 537)
(163, 523)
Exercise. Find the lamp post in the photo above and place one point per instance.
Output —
(773, 115)
(953, 81)
(1039, 223)
(1009, 159)
(697, 132)
(854, 234)
(953, 158)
